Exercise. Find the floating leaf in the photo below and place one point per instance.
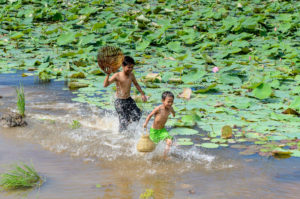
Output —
(175, 46)
(263, 91)
(296, 103)
(229, 79)
(142, 45)
(193, 76)
(66, 38)
(209, 145)
(184, 141)
(183, 131)
(17, 35)
(204, 90)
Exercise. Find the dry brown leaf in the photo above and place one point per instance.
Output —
(186, 94)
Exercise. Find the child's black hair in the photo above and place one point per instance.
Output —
(128, 60)
(167, 94)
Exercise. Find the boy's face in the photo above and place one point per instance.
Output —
(168, 102)
(128, 68)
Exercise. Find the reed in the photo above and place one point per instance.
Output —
(20, 177)
(148, 194)
(75, 124)
(21, 100)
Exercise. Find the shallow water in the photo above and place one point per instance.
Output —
(74, 161)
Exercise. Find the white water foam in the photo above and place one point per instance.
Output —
(98, 136)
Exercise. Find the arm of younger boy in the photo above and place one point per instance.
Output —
(108, 81)
(150, 115)
(173, 112)
(144, 98)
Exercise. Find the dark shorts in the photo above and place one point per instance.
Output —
(128, 112)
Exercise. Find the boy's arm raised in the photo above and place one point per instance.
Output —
(173, 112)
(108, 80)
(150, 115)
(139, 88)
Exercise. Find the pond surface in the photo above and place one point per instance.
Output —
(95, 161)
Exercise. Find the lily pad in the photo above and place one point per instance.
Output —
(184, 141)
(183, 131)
(209, 145)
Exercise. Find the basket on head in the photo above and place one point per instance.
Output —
(110, 57)
(145, 144)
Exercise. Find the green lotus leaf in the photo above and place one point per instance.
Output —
(190, 118)
(17, 35)
(66, 38)
(260, 142)
(183, 131)
(295, 103)
(218, 140)
(295, 153)
(184, 141)
(193, 76)
(277, 137)
(207, 58)
(204, 90)
(83, 40)
(175, 46)
(263, 91)
(142, 45)
(88, 10)
(229, 79)
(209, 145)
(224, 145)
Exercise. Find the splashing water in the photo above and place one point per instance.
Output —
(98, 138)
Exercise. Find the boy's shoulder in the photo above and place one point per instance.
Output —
(159, 107)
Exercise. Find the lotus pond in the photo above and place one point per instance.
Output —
(232, 63)
(93, 160)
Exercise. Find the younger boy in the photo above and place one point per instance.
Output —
(124, 104)
(161, 114)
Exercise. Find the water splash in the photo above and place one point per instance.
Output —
(98, 138)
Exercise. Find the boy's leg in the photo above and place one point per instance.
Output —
(121, 108)
(168, 146)
(135, 112)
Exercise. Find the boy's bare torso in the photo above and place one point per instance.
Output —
(161, 117)
(123, 84)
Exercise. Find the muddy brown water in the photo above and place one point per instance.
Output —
(95, 161)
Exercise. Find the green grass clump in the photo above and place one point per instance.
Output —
(75, 124)
(20, 177)
(148, 194)
(21, 100)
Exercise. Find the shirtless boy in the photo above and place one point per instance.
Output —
(161, 114)
(124, 104)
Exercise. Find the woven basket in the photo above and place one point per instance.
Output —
(110, 57)
(145, 144)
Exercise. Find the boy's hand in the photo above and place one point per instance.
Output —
(145, 125)
(108, 70)
(144, 98)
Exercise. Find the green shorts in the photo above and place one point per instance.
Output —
(156, 135)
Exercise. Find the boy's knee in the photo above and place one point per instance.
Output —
(169, 142)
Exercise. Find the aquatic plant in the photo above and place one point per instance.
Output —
(75, 124)
(148, 194)
(20, 177)
(44, 76)
(21, 100)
